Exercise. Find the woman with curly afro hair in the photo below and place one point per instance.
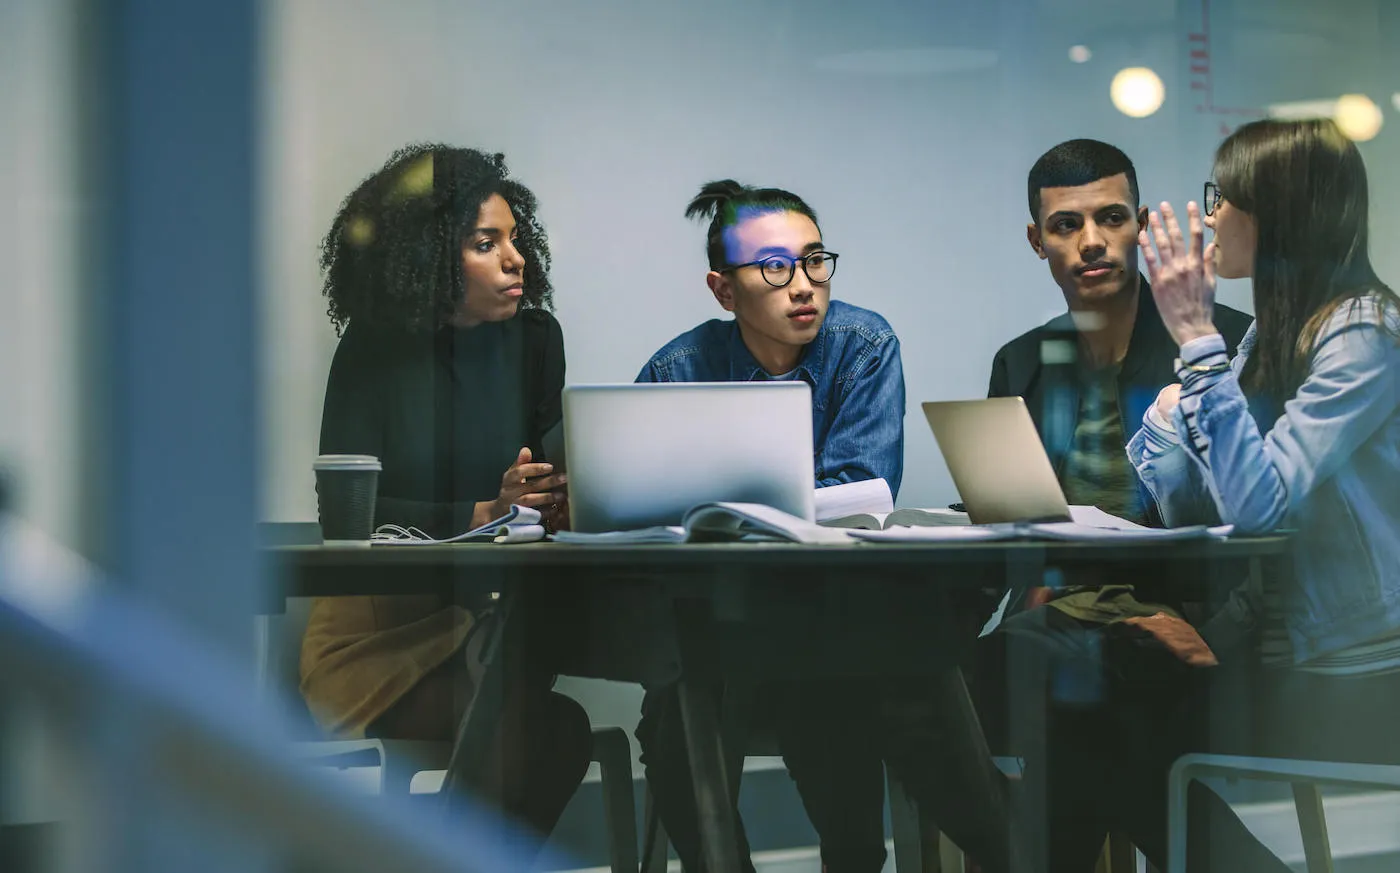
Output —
(449, 370)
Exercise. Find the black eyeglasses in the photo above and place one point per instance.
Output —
(1212, 198)
(778, 270)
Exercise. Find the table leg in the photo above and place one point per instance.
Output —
(736, 709)
(467, 769)
(1027, 681)
(705, 748)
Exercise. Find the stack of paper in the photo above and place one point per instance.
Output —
(720, 522)
(1090, 525)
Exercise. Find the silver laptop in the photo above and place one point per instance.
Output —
(641, 455)
(997, 460)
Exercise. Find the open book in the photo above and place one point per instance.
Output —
(852, 498)
(520, 525)
(868, 505)
(900, 518)
(720, 522)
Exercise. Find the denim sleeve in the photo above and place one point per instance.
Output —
(651, 373)
(1352, 387)
(1171, 475)
(866, 438)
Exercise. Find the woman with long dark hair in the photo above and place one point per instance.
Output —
(449, 370)
(1300, 431)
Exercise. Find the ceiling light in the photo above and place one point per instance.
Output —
(1358, 116)
(1137, 92)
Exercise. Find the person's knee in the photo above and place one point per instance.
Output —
(570, 734)
(571, 720)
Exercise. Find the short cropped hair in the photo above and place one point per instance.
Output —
(1074, 163)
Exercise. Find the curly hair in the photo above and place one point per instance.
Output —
(393, 255)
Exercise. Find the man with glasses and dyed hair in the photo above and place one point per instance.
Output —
(771, 269)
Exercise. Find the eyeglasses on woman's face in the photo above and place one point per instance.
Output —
(1211, 199)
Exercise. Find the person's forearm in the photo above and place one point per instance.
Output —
(1174, 479)
(1204, 363)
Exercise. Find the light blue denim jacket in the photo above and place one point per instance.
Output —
(1329, 469)
(854, 371)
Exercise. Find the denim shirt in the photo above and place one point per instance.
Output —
(1329, 469)
(853, 369)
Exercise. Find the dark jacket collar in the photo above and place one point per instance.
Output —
(1150, 340)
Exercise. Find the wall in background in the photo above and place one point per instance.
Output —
(908, 126)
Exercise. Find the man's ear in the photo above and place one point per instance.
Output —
(722, 288)
(1037, 244)
(1142, 218)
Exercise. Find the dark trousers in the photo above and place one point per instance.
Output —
(540, 752)
(835, 738)
(1115, 712)
(814, 758)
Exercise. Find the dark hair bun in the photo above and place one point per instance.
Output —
(712, 197)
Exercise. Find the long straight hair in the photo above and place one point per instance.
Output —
(1304, 183)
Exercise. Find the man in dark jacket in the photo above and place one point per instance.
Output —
(1087, 376)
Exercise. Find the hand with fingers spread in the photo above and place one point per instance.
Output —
(1182, 273)
(527, 484)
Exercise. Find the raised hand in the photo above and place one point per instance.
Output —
(1182, 273)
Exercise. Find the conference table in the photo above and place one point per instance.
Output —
(705, 614)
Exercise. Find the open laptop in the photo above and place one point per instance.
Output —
(997, 460)
(641, 455)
